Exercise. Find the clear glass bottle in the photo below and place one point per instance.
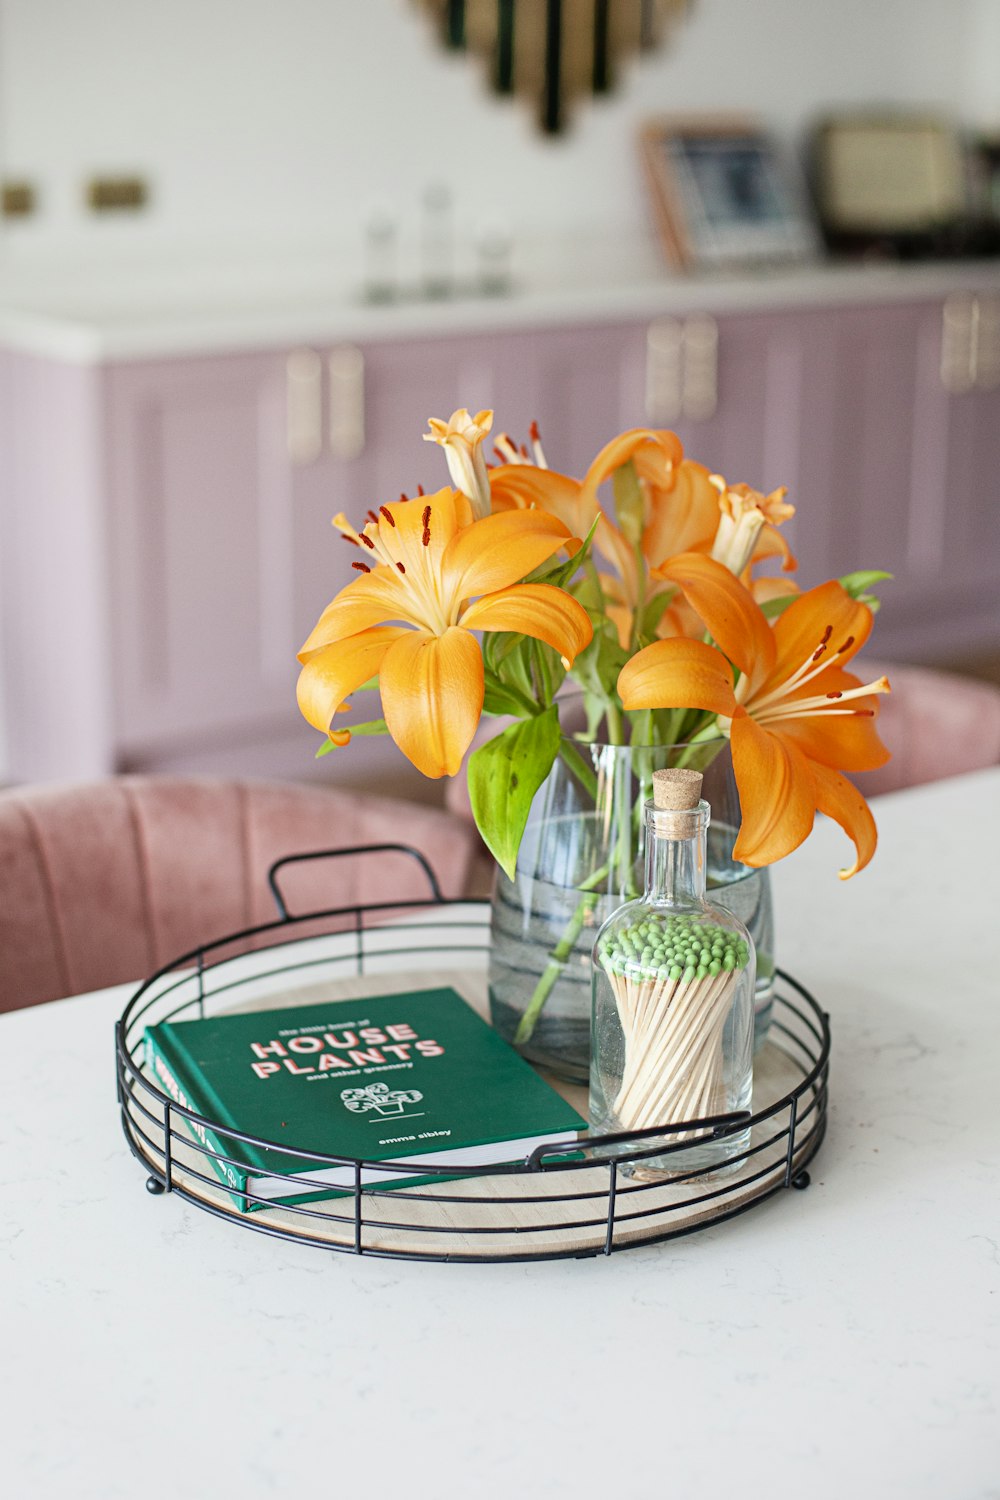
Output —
(437, 241)
(673, 996)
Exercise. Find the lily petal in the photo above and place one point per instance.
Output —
(449, 511)
(799, 630)
(369, 600)
(732, 615)
(432, 697)
(499, 550)
(678, 674)
(684, 517)
(536, 609)
(841, 801)
(662, 451)
(777, 793)
(772, 543)
(333, 672)
(845, 742)
(525, 487)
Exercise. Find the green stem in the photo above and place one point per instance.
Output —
(552, 971)
(616, 729)
(575, 762)
(558, 957)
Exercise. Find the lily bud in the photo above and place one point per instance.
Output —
(461, 437)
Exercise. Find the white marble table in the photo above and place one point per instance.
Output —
(839, 1341)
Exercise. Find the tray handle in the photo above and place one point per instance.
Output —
(295, 859)
(716, 1125)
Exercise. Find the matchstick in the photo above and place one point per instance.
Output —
(673, 978)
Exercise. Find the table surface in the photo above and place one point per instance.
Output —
(840, 1339)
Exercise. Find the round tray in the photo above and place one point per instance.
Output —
(540, 1209)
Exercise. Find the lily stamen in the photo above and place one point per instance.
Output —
(823, 643)
(505, 450)
(813, 666)
(536, 446)
(813, 707)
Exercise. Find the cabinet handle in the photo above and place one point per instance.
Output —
(682, 369)
(664, 340)
(346, 366)
(959, 343)
(701, 368)
(304, 405)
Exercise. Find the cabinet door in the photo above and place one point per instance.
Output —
(202, 550)
(951, 604)
(772, 419)
(886, 467)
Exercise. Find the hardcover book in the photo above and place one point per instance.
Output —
(409, 1079)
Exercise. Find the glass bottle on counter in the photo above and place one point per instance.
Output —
(673, 998)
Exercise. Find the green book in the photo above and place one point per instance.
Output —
(409, 1079)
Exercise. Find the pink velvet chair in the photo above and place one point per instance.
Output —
(936, 724)
(105, 882)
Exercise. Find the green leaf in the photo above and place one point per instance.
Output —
(772, 608)
(858, 585)
(559, 574)
(373, 726)
(596, 669)
(499, 701)
(654, 612)
(514, 669)
(504, 775)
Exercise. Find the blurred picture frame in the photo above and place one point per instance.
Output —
(722, 197)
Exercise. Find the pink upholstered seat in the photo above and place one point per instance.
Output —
(103, 883)
(936, 724)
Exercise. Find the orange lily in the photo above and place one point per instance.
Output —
(425, 560)
(795, 717)
(685, 508)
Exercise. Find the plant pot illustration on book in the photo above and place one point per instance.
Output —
(377, 1096)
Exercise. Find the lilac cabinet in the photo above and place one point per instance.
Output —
(887, 434)
(165, 538)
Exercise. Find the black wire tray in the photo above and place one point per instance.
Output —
(541, 1208)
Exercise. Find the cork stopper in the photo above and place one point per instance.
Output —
(675, 791)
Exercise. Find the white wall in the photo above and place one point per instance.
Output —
(275, 121)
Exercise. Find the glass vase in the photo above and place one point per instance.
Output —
(581, 857)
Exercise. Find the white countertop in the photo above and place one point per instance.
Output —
(177, 304)
(842, 1340)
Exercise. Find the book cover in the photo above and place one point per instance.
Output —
(409, 1079)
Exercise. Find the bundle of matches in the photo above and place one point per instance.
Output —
(674, 979)
(674, 975)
